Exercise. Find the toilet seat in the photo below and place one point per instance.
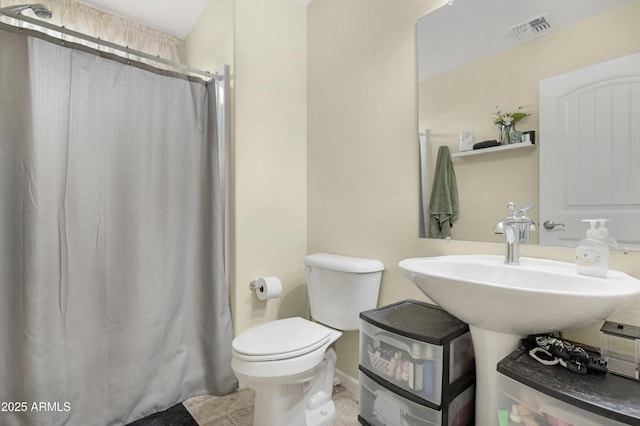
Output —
(280, 339)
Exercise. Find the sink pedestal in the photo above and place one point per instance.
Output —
(489, 348)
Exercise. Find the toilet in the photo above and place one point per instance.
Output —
(290, 363)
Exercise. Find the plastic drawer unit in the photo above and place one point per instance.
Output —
(533, 407)
(419, 348)
(530, 393)
(380, 406)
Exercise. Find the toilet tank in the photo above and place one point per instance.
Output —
(340, 287)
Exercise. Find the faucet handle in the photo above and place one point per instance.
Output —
(526, 208)
(522, 213)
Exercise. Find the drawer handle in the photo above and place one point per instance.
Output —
(391, 340)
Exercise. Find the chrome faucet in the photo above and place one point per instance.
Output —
(516, 227)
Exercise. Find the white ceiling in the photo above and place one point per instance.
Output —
(457, 34)
(468, 30)
(173, 17)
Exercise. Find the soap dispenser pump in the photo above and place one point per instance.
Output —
(592, 255)
(603, 234)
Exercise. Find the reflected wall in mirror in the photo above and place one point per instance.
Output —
(475, 72)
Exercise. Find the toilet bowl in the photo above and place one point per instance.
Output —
(289, 363)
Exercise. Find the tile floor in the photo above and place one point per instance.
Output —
(236, 409)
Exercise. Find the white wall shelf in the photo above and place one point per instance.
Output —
(493, 149)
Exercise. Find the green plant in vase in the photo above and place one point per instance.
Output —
(506, 122)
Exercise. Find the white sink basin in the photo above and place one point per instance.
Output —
(536, 296)
(502, 303)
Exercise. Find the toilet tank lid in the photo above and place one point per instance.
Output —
(337, 262)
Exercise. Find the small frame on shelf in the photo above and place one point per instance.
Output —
(529, 136)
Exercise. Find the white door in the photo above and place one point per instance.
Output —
(590, 152)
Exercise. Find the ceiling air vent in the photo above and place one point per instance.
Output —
(531, 28)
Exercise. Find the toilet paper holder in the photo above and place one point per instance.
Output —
(266, 287)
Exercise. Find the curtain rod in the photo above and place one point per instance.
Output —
(100, 42)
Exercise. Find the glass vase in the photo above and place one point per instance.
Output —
(504, 136)
(515, 135)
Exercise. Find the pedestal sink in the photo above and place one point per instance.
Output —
(503, 303)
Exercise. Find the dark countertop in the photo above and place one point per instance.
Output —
(608, 395)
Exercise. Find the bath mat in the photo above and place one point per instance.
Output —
(174, 416)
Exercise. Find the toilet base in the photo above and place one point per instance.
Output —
(321, 416)
(304, 400)
(285, 405)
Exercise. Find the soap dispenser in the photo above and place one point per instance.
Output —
(592, 255)
(603, 234)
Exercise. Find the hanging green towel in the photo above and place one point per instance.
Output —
(443, 207)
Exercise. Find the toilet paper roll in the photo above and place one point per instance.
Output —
(268, 288)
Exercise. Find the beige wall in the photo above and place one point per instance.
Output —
(362, 147)
(325, 155)
(467, 98)
(209, 45)
(265, 44)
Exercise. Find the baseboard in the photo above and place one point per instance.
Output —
(349, 383)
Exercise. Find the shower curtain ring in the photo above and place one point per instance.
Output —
(99, 46)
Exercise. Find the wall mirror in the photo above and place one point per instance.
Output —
(475, 57)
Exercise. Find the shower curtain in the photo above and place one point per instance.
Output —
(113, 300)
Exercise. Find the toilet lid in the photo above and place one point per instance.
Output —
(280, 339)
